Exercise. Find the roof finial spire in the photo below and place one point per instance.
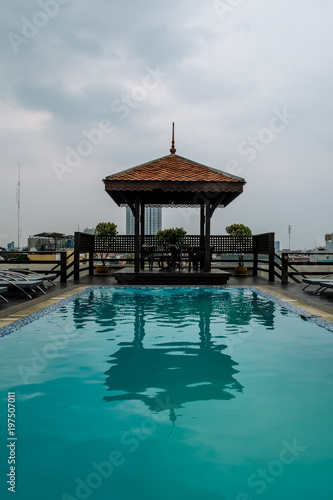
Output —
(173, 149)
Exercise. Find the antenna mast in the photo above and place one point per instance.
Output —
(18, 206)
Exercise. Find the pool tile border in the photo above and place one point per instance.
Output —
(29, 318)
(313, 318)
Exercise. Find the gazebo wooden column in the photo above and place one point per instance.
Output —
(137, 231)
(202, 230)
(202, 225)
(143, 232)
(207, 254)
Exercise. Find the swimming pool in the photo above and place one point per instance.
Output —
(160, 393)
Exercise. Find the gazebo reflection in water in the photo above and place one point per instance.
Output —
(166, 373)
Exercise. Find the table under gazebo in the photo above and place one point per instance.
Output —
(173, 181)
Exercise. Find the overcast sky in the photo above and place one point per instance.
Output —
(91, 88)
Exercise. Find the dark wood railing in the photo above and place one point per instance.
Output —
(87, 250)
(259, 256)
(296, 270)
(253, 247)
(84, 244)
(60, 267)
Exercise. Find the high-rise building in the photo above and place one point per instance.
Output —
(329, 241)
(153, 220)
(129, 221)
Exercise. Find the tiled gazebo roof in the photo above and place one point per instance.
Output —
(173, 168)
(173, 181)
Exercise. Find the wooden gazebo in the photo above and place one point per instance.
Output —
(173, 181)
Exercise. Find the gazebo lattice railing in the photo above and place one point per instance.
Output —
(221, 243)
(261, 244)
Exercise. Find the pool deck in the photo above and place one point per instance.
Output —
(18, 307)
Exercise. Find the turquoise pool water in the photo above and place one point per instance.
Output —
(163, 394)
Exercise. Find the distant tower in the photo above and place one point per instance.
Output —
(153, 220)
(289, 233)
(18, 207)
(129, 221)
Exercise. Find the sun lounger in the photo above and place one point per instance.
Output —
(3, 289)
(25, 271)
(14, 276)
(21, 277)
(316, 281)
(324, 285)
(12, 282)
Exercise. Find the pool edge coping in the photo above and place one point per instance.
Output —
(47, 305)
(314, 311)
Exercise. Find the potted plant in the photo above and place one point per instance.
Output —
(172, 236)
(239, 231)
(105, 229)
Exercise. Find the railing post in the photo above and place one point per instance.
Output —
(284, 268)
(91, 254)
(77, 244)
(271, 256)
(255, 255)
(63, 267)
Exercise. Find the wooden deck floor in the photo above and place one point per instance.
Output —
(157, 277)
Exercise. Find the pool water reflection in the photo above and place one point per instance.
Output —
(171, 393)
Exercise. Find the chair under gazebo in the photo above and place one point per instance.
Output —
(173, 181)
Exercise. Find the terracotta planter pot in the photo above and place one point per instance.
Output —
(101, 269)
(240, 270)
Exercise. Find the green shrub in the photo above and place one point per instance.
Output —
(238, 230)
(106, 229)
(172, 236)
